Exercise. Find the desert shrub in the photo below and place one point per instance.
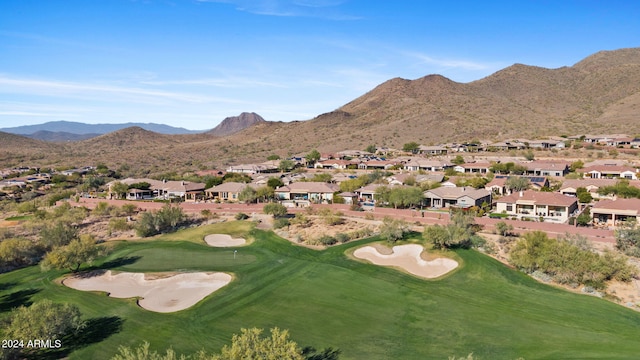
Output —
(164, 220)
(275, 209)
(27, 207)
(342, 238)
(119, 224)
(393, 230)
(569, 261)
(280, 223)
(327, 240)
(369, 216)
(331, 218)
(102, 208)
(129, 209)
(206, 213)
(301, 220)
(241, 216)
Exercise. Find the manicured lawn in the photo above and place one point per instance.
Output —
(327, 299)
(19, 218)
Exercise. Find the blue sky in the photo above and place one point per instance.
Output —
(191, 63)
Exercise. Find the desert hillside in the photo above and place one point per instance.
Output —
(600, 94)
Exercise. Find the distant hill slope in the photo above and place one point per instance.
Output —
(600, 94)
(233, 124)
(82, 128)
(59, 136)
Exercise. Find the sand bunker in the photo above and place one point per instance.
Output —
(166, 294)
(223, 240)
(408, 258)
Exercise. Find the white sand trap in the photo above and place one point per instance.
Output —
(223, 240)
(167, 294)
(408, 258)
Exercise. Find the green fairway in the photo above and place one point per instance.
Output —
(327, 299)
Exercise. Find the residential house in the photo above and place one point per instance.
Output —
(305, 193)
(547, 144)
(377, 164)
(367, 193)
(611, 213)
(252, 168)
(417, 164)
(227, 192)
(188, 191)
(139, 194)
(336, 164)
(546, 168)
(497, 185)
(570, 187)
(505, 146)
(460, 197)
(432, 150)
(499, 182)
(473, 168)
(536, 205)
(350, 154)
(610, 171)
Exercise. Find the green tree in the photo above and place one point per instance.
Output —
(143, 352)
(382, 194)
(274, 183)
(146, 225)
(393, 230)
(517, 183)
(352, 184)
(628, 238)
(529, 155)
(58, 234)
(16, 253)
(457, 234)
(312, 157)
(249, 344)
(322, 177)
(584, 218)
(576, 165)
(275, 209)
(248, 195)
(584, 196)
(265, 192)
(503, 229)
(371, 149)
(405, 196)
(43, 320)
(273, 157)
(72, 256)
(458, 160)
(286, 165)
(119, 189)
(411, 147)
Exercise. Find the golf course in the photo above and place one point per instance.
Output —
(330, 298)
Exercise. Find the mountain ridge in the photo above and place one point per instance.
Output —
(599, 94)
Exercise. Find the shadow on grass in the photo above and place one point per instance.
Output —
(16, 299)
(7, 286)
(95, 331)
(127, 260)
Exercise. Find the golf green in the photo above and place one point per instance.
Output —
(325, 298)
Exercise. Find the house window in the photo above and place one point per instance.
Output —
(510, 208)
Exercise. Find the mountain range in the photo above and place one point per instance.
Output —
(600, 94)
(72, 131)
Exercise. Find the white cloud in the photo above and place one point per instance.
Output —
(99, 91)
(448, 63)
(326, 9)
